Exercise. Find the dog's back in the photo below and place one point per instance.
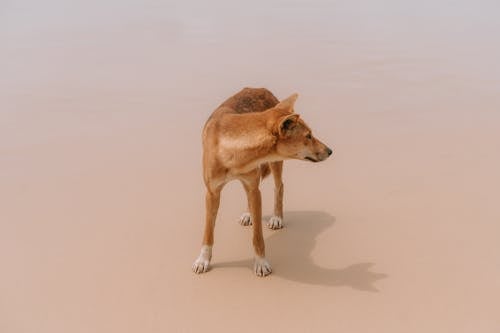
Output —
(250, 100)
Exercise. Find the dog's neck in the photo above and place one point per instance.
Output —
(252, 144)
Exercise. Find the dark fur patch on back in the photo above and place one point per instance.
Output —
(251, 100)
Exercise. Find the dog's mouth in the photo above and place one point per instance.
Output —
(311, 159)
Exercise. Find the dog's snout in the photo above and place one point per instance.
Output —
(329, 151)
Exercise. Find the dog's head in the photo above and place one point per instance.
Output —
(295, 138)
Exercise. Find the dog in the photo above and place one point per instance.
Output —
(246, 138)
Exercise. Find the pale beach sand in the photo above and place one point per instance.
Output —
(101, 196)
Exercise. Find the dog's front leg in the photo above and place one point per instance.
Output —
(212, 200)
(262, 266)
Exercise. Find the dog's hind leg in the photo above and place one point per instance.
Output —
(245, 218)
(276, 221)
(212, 200)
(251, 185)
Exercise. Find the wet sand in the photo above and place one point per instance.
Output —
(101, 194)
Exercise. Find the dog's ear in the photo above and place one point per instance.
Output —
(287, 103)
(287, 124)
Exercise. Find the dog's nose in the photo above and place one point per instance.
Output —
(329, 151)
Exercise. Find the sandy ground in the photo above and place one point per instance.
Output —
(101, 196)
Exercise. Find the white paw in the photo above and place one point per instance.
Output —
(262, 267)
(245, 219)
(202, 263)
(275, 222)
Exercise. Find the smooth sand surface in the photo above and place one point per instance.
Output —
(101, 196)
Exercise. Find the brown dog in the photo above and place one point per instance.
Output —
(246, 137)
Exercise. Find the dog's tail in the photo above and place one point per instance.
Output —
(265, 170)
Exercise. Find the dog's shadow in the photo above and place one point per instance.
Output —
(289, 251)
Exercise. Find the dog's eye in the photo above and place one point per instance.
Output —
(309, 136)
